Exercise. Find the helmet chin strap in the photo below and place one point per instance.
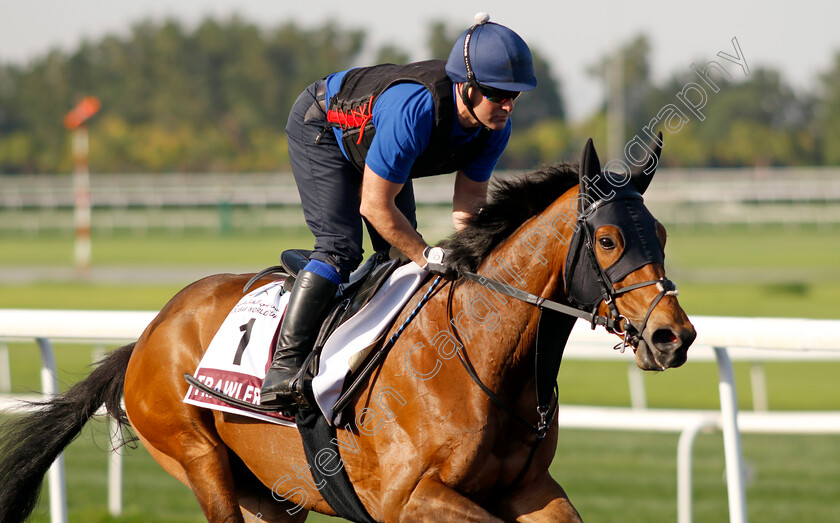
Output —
(465, 97)
(471, 81)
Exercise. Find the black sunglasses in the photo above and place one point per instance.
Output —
(497, 96)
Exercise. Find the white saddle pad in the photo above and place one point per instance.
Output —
(238, 356)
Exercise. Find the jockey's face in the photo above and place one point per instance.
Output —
(490, 114)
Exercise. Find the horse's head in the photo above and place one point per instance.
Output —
(615, 263)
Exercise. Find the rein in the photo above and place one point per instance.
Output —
(546, 411)
(612, 322)
(541, 428)
(383, 351)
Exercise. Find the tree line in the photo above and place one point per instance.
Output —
(216, 98)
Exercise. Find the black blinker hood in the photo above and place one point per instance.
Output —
(628, 214)
(604, 199)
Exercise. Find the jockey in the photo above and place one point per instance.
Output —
(356, 140)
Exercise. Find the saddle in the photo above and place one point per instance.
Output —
(349, 299)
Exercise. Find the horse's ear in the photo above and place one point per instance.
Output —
(641, 176)
(590, 166)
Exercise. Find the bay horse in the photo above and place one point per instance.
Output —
(424, 442)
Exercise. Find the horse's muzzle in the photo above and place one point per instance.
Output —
(665, 348)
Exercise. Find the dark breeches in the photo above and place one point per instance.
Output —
(330, 187)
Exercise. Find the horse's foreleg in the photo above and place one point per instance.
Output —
(542, 500)
(434, 501)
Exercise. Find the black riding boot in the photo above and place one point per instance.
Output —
(311, 298)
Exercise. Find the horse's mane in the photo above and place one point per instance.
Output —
(510, 203)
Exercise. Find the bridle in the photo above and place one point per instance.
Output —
(614, 321)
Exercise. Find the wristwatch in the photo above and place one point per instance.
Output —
(434, 255)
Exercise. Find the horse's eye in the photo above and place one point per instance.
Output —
(606, 243)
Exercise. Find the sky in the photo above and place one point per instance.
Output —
(799, 38)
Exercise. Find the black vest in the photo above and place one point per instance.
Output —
(351, 109)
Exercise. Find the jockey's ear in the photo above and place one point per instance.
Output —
(590, 167)
(641, 176)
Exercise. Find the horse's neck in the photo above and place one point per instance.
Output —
(502, 330)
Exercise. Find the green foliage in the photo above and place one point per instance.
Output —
(752, 120)
(390, 54)
(214, 99)
(828, 113)
(635, 76)
(440, 39)
(545, 103)
(545, 142)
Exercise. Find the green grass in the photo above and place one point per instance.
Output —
(769, 271)
(790, 385)
(610, 476)
(755, 248)
(732, 299)
(784, 249)
(157, 249)
(811, 300)
(149, 493)
(87, 296)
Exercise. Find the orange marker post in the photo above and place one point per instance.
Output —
(76, 121)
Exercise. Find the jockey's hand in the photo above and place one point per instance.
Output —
(437, 262)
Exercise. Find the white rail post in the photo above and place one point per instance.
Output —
(49, 388)
(638, 395)
(115, 462)
(758, 379)
(5, 369)
(684, 468)
(731, 438)
(115, 458)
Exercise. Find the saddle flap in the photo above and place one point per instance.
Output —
(358, 296)
(369, 285)
(294, 260)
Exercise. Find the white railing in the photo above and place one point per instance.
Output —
(46, 327)
(176, 202)
(719, 339)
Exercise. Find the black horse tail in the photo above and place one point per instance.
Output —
(30, 444)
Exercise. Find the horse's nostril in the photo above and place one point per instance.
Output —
(665, 337)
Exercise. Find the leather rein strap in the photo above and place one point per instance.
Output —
(540, 302)
(612, 322)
